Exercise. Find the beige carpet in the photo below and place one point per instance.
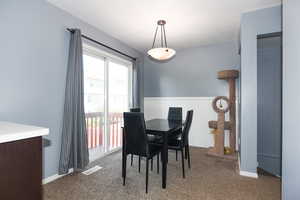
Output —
(209, 179)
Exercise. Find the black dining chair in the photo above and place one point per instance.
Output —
(181, 143)
(175, 113)
(150, 138)
(135, 141)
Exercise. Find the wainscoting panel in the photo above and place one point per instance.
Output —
(200, 136)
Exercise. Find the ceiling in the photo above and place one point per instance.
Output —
(190, 23)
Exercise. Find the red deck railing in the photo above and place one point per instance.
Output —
(95, 129)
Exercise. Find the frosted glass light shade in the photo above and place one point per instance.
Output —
(161, 53)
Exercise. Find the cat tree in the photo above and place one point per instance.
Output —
(221, 105)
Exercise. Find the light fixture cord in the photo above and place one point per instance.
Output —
(165, 36)
(154, 37)
(161, 36)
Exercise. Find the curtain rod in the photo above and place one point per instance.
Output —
(104, 45)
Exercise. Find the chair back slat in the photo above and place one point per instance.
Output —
(175, 113)
(135, 134)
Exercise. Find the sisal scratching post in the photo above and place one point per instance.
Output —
(231, 76)
(221, 105)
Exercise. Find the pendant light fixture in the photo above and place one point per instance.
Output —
(163, 52)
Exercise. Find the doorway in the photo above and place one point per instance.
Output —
(269, 99)
(107, 94)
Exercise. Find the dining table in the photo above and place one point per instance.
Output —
(164, 128)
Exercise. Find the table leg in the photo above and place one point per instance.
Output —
(164, 161)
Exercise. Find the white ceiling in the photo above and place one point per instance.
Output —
(190, 23)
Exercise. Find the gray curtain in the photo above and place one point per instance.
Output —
(136, 100)
(74, 148)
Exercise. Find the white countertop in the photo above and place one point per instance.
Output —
(11, 131)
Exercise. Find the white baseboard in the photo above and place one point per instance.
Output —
(55, 177)
(249, 174)
(245, 173)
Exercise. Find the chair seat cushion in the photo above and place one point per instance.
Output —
(175, 134)
(153, 138)
(175, 143)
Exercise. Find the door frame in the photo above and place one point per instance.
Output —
(269, 35)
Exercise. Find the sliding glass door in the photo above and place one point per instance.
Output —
(107, 94)
(94, 103)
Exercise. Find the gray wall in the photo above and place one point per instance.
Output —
(33, 61)
(291, 99)
(191, 73)
(252, 24)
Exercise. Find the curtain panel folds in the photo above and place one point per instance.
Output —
(74, 149)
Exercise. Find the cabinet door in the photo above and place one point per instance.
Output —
(21, 169)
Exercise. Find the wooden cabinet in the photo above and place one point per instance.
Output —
(21, 169)
(21, 161)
